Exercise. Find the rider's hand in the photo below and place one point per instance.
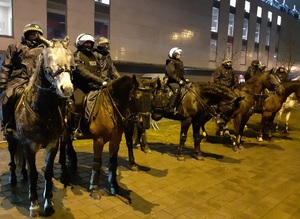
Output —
(181, 82)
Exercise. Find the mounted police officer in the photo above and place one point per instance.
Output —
(17, 68)
(224, 74)
(282, 73)
(252, 70)
(108, 69)
(175, 76)
(86, 76)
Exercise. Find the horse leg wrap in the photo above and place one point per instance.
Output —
(95, 177)
(112, 175)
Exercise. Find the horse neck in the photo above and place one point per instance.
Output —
(41, 99)
(290, 87)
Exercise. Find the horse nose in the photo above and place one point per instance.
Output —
(67, 90)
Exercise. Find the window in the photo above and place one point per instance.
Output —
(247, 7)
(268, 36)
(101, 25)
(56, 19)
(6, 17)
(259, 12)
(279, 20)
(269, 16)
(231, 25)
(232, 3)
(107, 2)
(213, 50)
(257, 32)
(245, 29)
(215, 19)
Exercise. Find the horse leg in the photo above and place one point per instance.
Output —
(197, 141)
(34, 209)
(204, 134)
(48, 175)
(96, 168)
(287, 118)
(183, 136)
(24, 170)
(129, 142)
(72, 155)
(142, 136)
(112, 174)
(12, 147)
(278, 118)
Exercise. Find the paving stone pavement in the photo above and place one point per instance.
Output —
(263, 181)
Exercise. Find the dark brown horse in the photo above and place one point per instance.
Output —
(272, 105)
(115, 108)
(39, 120)
(249, 90)
(199, 103)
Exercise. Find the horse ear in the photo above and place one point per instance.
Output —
(135, 81)
(154, 82)
(66, 41)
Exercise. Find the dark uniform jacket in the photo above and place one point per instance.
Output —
(283, 76)
(18, 66)
(225, 76)
(251, 71)
(87, 75)
(174, 70)
(108, 69)
(20, 61)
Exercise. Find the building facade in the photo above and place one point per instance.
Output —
(142, 32)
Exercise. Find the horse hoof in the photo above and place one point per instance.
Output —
(180, 158)
(134, 168)
(34, 210)
(49, 211)
(95, 195)
(199, 157)
(235, 148)
(260, 139)
(147, 150)
(114, 191)
(241, 147)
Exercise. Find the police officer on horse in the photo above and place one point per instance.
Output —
(17, 68)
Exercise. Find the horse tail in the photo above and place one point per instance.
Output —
(19, 157)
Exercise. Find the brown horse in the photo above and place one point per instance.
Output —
(115, 108)
(199, 103)
(249, 90)
(39, 120)
(272, 105)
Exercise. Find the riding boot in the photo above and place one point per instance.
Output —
(8, 122)
(172, 104)
(76, 131)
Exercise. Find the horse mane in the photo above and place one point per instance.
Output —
(216, 90)
(120, 87)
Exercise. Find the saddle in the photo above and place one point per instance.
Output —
(162, 98)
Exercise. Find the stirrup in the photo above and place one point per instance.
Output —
(77, 133)
(7, 130)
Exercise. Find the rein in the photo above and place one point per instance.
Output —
(209, 109)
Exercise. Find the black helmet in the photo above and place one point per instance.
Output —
(32, 27)
(255, 63)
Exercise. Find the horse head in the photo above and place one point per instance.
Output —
(58, 64)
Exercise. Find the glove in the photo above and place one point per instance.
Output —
(181, 82)
(104, 83)
(187, 80)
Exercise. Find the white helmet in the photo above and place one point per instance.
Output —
(174, 51)
(82, 38)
